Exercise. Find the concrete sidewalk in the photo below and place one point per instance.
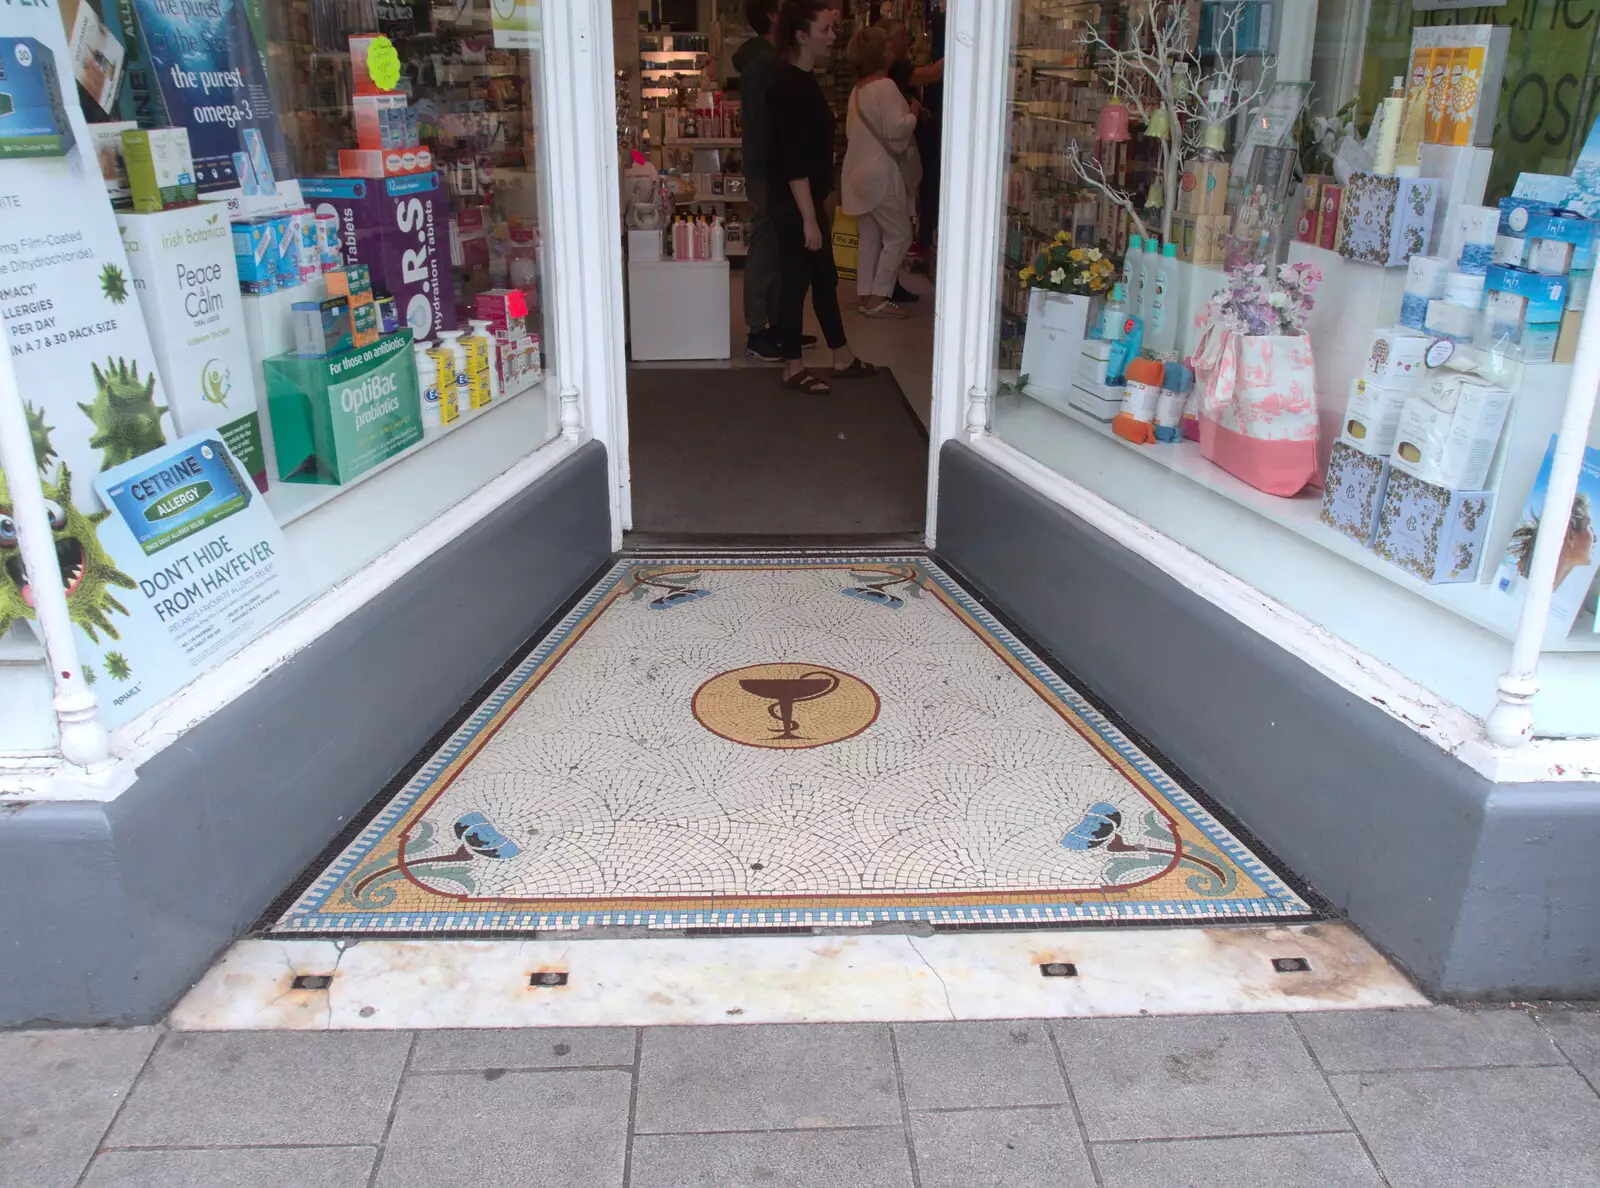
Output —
(1436, 1096)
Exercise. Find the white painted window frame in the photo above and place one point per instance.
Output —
(976, 70)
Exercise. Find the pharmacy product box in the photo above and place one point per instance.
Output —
(1424, 283)
(1352, 492)
(1395, 358)
(1203, 188)
(1385, 220)
(1328, 216)
(33, 114)
(1432, 532)
(181, 262)
(1555, 237)
(1202, 239)
(1544, 297)
(160, 169)
(397, 228)
(1101, 401)
(1372, 416)
(255, 255)
(1308, 205)
(336, 418)
(1448, 435)
(1466, 65)
(381, 163)
(322, 328)
(107, 140)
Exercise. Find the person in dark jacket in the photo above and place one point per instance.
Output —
(757, 61)
(800, 166)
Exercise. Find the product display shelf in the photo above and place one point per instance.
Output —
(290, 501)
(1476, 602)
(702, 142)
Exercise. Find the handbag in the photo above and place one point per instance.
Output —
(1258, 407)
(908, 160)
(846, 244)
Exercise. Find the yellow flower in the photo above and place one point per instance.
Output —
(1028, 273)
(1063, 237)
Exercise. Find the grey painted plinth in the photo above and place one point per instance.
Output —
(1480, 890)
(113, 910)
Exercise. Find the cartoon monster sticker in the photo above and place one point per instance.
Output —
(87, 572)
(117, 666)
(126, 417)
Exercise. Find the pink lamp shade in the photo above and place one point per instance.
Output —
(1112, 123)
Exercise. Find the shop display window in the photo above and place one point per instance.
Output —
(273, 289)
(1332, 358)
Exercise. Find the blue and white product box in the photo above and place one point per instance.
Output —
(1511, 237)
(1353, 491)
(1372, 416)
(255, 255)
(1449, 431)
(1476, 229)
(1386, 220)
(1554, 237)
(1551, 188)
(178, 497)
(1458, 323)
(1544, 297)
(1424, 283)
(1395, 358)
(1432, 532)
(33, 114)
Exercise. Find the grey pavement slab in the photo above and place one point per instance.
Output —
(1001, 1149)
(1274, 1161)
(1578, 1034)
(1431, 1037)
(266, 1088)
(960, 1065)
(524, 1047)
(509, 1130)
(258, 1167)
(812, 1159)
(766, 1078)
(1468, 1127)
(1195, 1076)
(59, 1091)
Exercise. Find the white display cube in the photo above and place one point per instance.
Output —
(678, 309)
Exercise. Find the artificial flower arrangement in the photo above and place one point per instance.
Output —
(1256, 390)
(1062, 268)
(1253, 304)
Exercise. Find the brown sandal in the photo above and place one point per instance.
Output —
(804, 381)
(858, 369)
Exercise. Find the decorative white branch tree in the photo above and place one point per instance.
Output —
(1161, 71)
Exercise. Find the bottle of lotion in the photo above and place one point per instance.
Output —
(719, 239)
(450, 340)
(480, 329)
(1163, 319)
(428, 383)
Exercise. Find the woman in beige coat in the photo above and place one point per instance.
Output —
(874, 183)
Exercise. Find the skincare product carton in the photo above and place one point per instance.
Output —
(182, 268)
(1450, 430)
(397, 228)
(1467, 64)
(1432, 532)
(33, 113)
(1203, 188)
(322, 328)
(107, 140)
(1395, 358)
(336, 418)
(1202, 239)
(1100, 400)
(1372, 417)
(1353, 491)
(160, 169)
(1385, 220)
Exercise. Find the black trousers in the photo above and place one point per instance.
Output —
(802, 270)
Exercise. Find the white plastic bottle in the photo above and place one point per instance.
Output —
(1133, 271)
(491, 344)
(428, 386)
(1152, 269)
(450, 340)
(1162, 323)
(719, 239)
(1115, 315)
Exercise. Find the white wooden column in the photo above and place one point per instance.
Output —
(83, 739)
(582, 235)
(977, 88)
(1511, 721)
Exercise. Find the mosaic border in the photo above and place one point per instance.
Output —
(300, 917)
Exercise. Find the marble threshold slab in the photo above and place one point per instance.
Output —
(789, 979)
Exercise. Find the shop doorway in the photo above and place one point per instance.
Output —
(718, 448)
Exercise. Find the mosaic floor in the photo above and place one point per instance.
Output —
(769, 743)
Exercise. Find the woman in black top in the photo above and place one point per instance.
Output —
(801, 161)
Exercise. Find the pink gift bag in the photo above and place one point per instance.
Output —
(1258, 407)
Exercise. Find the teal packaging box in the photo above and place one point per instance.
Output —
(338, 417)
(33, 114)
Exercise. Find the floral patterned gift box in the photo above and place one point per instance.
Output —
(1431, 532)
(1353, 492)
(1386, 220)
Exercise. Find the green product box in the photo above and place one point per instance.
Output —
(160, 168)
(337, 417)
